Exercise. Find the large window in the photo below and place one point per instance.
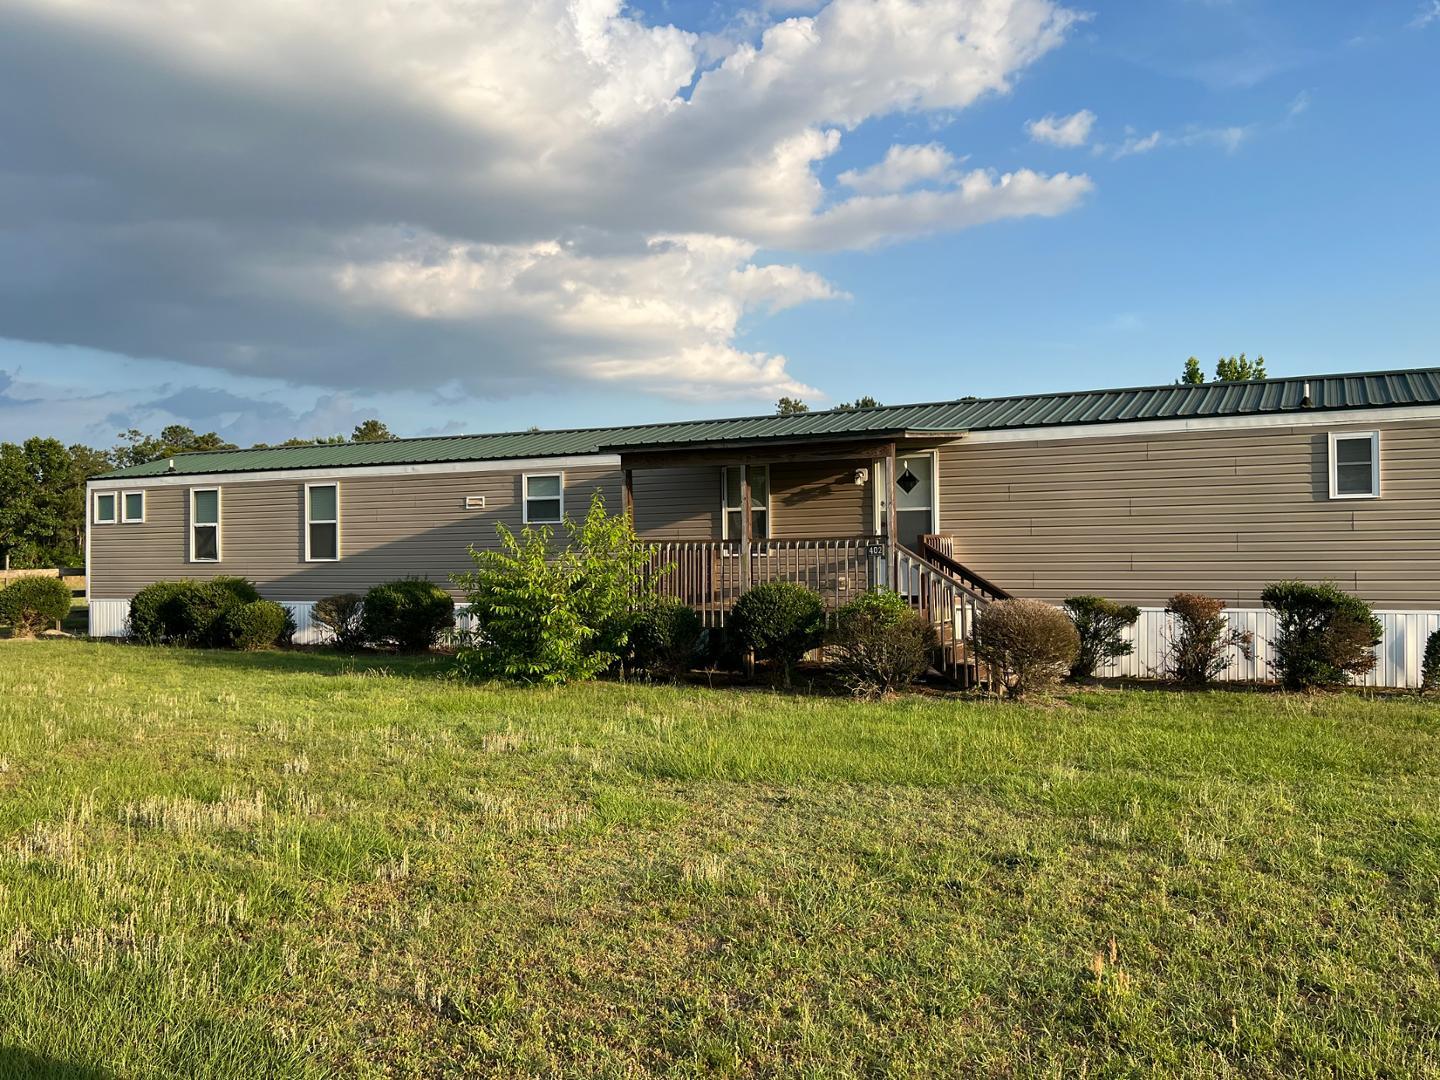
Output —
(759, 502)
(322, 522)
(132, 507)
(204, 524)
(1355, 465)
(105, 508)
(544, 498)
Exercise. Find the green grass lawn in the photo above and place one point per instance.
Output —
(306, 865)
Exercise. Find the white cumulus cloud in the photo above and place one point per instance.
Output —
(1072, 130)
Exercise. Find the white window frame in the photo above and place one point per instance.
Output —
(114, 518)
(308, 520)
(525, 479)
(1335, 438)
(125, 518)
(726, 509)
(218, 525)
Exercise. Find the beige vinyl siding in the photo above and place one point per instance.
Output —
(390, 527)
(1138, 518)
(677, 504)
(819, 499)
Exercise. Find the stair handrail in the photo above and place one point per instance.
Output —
(936, 553)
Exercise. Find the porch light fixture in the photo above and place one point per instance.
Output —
(862, 477)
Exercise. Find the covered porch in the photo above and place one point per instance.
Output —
(839, 517)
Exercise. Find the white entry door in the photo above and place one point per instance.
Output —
(916, 498)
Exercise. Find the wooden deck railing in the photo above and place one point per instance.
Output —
(710, 576)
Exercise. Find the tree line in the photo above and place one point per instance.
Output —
(42, 484)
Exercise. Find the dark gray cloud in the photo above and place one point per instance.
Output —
(376, 195)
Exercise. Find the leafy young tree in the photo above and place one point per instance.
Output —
(788, 406)
(1194, 374)
(371, 431)
(547, 616)
(1238, 369)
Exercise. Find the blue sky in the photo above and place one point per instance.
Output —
(1256, 176)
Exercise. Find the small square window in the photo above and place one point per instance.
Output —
(105, 508)
(1355, 465)
(132, 507)
(544, 498)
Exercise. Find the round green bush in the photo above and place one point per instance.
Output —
(664, 637)
(237, 588)
(29, 605)
(780, 621)
(881, 645)
(188, 612)
(260, 624)
(1430, 672)
(1323, 637)
(411, 614)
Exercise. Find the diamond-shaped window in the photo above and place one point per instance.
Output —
(907, 481)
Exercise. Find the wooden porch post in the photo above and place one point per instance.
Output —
(745, 527)
(891, 555)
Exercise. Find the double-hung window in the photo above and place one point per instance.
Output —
(204, 524)
(105, 509)
(132, 507)
(1354, 464)
(544, 498)
(733, 502)
(322, 522)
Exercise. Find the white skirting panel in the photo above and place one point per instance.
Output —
(1399, 654)
(108, 617)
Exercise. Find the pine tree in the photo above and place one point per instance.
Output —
(1194, 374)
(788, 406)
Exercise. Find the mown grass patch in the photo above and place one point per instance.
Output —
(298, 864)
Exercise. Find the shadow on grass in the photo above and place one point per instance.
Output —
(431, 666)
(18, 1064)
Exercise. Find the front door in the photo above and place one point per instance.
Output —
(915, 498)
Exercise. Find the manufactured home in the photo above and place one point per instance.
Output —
(1134, 494)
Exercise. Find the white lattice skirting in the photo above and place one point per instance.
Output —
(1399, 654)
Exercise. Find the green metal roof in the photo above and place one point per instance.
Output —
(1362, 390)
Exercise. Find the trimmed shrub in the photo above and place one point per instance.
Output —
(154, 611)
(237, 588)
(340, 614)
(1031, 644)
(260, 624)
(1101, 625)
(1430, 672)
(410, 614)
(188, 612)
(1323, 636)
(881, 645)
(30, 605)
(1199, 639)
(664, 637)
(780, 621)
